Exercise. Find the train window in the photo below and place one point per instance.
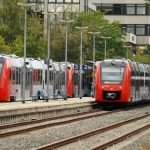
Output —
(9, 74)
(35, 76)
(76, 79)
(51, 76)
(137, 69)
(45, 76)
(1, 65)
(146, 69)
(112, 74)
(0, 69)
(133, 70)
(39, 76)
(13, 76)
(141, 68)
(17, 75)
(63, 78)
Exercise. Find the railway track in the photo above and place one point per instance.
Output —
(121, 138)
(105, 145)
(27, 126)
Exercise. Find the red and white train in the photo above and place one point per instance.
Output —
(11, 79)
(120, 81)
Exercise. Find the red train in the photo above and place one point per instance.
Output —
(120, 81)
(11, 79)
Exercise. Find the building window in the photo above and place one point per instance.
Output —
(130, 9)
(68, 1)
(107, 8)
(130, 28)
(52, 1)
(59, 1)
(76, 1)
(140, 10)
(117, 9)
(140, 29)
(148, 30)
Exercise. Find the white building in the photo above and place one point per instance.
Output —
(133, 15)
(57, 5)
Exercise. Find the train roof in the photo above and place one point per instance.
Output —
(113, 60)
(15, 61)
(34, 64)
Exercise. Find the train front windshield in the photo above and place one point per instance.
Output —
(112, 74)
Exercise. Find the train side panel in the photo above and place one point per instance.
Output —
(126, 86)
(70, 84)
(5, 81)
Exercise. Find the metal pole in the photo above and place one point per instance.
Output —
(66, 68)
(24, 66)
(105, 48)
(105, 38)
(94, 34)
(81, 66)
(48, 57)
(48, 15)
(93, 63)
(66, 22)
(80, 89)
(25, 6)
(45, 17)
(127, 52)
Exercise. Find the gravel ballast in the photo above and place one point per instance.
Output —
(41, 137)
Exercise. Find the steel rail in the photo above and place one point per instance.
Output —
(34, 120)
(121, 138)
(56, 123)
(89, 134)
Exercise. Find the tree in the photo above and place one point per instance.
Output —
(95, 20)
(4, 48)
(10, 15)
(12, 29)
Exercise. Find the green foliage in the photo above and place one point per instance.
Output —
(10, 17)
(12, 35)
(96, 23)
(142, 58)
(12, 30)
(147, 2)
(4, 48)
(17, 46)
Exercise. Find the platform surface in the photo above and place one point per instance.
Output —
(41, 103)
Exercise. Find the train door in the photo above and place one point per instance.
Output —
(147, 90)
(70, 82)
(16, 84)
(141, 81)
(148, 81)
(137, 80)
(28, 84)
(133, 81)
(30, 78)
(76, 83)
(87, 82)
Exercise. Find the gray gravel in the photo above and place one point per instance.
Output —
(140, 142)
(49, 135)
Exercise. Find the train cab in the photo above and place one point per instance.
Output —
(112, 84)
(120, 81)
